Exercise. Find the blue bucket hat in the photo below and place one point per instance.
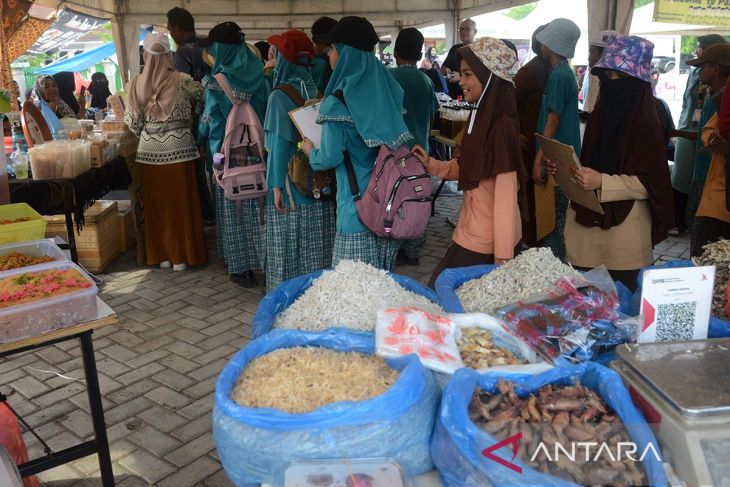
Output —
(560, 36)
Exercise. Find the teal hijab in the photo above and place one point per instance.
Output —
(374, 99)
(243, 69)
(300, 78)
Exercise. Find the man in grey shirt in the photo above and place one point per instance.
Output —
(189, 54)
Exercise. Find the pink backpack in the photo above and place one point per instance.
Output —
(243, 176)
(397, 201)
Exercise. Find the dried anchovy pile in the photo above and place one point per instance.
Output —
(533, 271)
(299, 380)
(479, 352)
(717, 254)
(349, 295)
(568, 416)
(16, 260)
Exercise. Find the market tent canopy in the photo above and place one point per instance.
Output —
(261, 18)
(80, 62)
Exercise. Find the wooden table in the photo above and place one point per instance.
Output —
(100, 444)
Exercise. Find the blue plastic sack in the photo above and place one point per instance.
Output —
(256, 444)
(452, 279)
(717, 327)
(54, 124)
(289, 291)
(457, 443)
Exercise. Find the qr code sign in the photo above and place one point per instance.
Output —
(675, 322)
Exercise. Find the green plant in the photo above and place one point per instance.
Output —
(521, 11)
(641, 3)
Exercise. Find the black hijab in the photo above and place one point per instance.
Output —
(66, 86)
(99, 90)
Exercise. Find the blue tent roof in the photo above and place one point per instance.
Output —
(83, 61)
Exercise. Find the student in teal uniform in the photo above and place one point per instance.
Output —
(714, 64)
(558, 113)
(373, 117)
(321, 69)
(420, 104)
(239, 231)
(300, 231)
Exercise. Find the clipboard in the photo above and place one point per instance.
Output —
(305, 120)
(565, 159)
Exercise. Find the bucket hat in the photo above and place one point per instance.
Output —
(715, 54)
(560, 36)
(295, 46)
(628, 54)
(494, 54)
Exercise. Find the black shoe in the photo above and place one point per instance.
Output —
(246, 279)
(402, 260)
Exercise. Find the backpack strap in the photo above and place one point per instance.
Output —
(352, 179)
(223, 81)
(292, 93)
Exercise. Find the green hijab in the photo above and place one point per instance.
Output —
(299, 77)
(243, 69)
(374, 99)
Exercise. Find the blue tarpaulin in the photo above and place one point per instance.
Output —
(85, 60)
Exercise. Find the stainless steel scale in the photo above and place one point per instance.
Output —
(683, 389)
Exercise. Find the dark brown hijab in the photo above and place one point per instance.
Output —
(624, 136)
(493, 147)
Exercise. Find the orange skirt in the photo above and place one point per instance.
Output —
(173, 222)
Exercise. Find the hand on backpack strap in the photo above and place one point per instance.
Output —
(421, 154)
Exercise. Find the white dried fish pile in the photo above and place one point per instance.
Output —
(349, 295)
(717, 254)
(531, 272)
(299, 380)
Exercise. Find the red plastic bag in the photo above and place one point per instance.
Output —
(12, 439)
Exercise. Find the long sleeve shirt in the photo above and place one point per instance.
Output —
(489, 222)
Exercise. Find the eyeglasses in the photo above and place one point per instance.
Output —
(465, 29)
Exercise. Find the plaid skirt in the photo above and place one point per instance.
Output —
(240, 233)
(299, 242)
(366, 247)
(556, 239)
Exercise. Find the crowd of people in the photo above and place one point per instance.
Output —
(180, 105)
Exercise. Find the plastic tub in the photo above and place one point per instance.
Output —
(43, 161)
(34, 229)
(36, 248)
(30, 319)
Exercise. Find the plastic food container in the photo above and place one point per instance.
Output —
(35, 318)
(42, 161)
(60, 159)
(36, 248)
(33, 229)
(346, 473)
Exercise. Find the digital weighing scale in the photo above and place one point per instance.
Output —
(683, 389)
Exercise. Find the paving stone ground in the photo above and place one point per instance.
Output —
(158, 367)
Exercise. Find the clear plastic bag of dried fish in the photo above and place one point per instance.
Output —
(349, 295)
(534, 271)
(718, 254)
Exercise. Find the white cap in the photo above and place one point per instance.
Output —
(599, 38)
(156, 43)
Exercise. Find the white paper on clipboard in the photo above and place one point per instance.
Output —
(305, 120)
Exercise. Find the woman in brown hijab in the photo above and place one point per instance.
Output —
(624, 160)
(488, 163)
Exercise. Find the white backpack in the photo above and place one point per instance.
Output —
(243, 176)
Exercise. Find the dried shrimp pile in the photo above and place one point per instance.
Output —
(533, 271)
(349, 295)
(299, 380)
(717, 254)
